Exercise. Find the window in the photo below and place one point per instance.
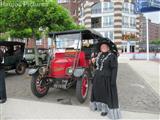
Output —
(63, 1)
(75, 12)
(96, 22)
(128, 7)
(109, 35)
(108, 6)
(108, 21)
(81, 22)
(132, 22)
(125, 22)
(81, 12)
(29, 51)
(131, 8)
(125, 7)
(39, 42)
(68, 41)
(96, 8)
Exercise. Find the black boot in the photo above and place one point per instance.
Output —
(104, 113)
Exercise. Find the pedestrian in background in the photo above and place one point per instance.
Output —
(104, 95)
(3, 96)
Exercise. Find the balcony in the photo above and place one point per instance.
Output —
(111, 9)
(108, 24)
(96, 11)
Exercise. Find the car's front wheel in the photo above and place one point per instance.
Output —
(39, 86)
(82, 87)
(20, 68)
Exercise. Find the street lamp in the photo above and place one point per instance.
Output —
(147, 38)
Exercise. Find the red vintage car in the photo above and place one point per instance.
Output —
(69, 64)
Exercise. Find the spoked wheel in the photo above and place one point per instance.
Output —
(20, 68)
(39, 86)
(82, 87)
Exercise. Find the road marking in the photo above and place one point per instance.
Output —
(138, 85)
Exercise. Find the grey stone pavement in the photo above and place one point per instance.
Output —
(18, 109)
(136, 87)
(150, 72)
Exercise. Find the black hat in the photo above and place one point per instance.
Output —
(108, 42)
(103, 42)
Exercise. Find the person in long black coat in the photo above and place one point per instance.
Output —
(3, 96)
(104, 95)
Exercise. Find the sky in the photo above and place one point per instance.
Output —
(154, 16)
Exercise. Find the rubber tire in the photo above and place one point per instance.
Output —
(34, 89)
(23, 69)
(78, 89)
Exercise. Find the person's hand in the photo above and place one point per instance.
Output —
(93, 60)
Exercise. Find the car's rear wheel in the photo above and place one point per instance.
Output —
(20, 68)
(39, 86)
(82, 87)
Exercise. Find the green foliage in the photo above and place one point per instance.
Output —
(157, 42)
(26, 33)
(23, 18)
(4, 36)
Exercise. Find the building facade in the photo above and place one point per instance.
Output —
(72, 6)
(142, 28)
(153, 30)
(113, 19)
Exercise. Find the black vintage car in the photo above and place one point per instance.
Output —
(11, 56)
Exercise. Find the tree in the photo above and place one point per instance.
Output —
(4, 36)
(21, 34)
(156, 42)
(22, 17)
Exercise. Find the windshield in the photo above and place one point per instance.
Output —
(71, 41)
(29, 51)
(42, 51)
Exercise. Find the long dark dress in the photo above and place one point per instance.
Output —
(104, 89)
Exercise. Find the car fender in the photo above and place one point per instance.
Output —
(33, 71)
(78, 72)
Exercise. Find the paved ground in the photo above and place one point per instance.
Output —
(149, 70)
(135, 94)
(16, 109)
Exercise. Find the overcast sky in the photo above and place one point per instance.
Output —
(154, 16)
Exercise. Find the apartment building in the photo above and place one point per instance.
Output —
(153, 30)
(72, 6)
(113, 19)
